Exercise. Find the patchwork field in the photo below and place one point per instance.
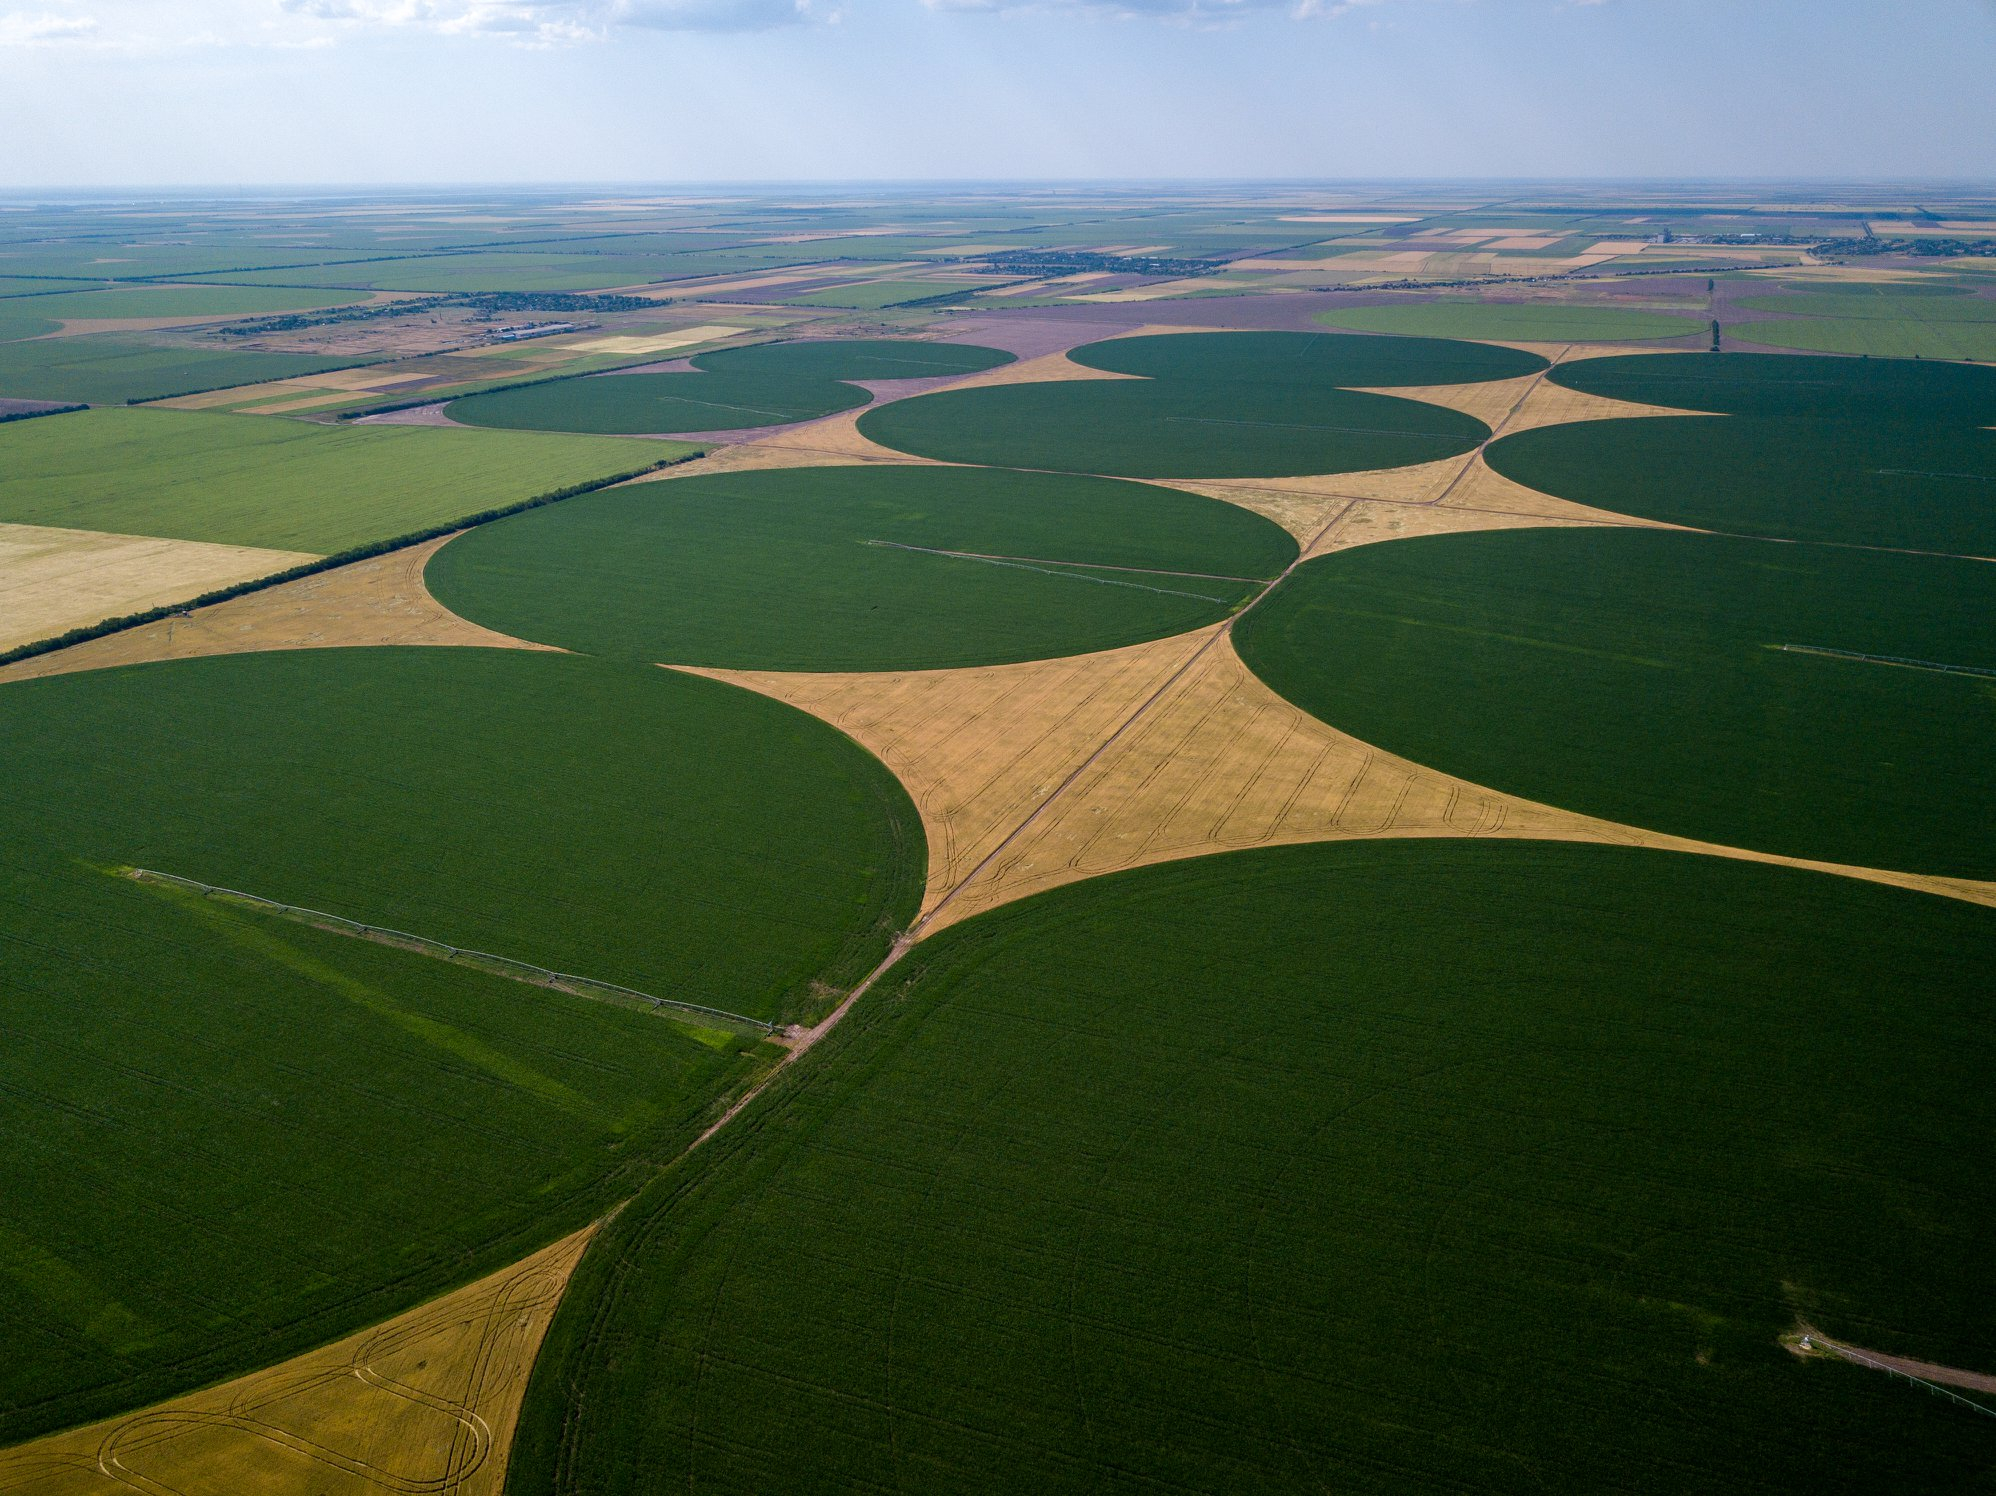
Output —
(1390, 1167)
(770, 384)
(186, 475)
(1817, 701)
(861, 568)
(1526, 322)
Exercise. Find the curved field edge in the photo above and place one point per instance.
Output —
(773, 1232)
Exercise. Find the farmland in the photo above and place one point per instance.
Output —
(1557, 323)
(1213, 405)
(863, 568)
(214, 1082)
(188, 476)
(1210, 838)
(1073, 1207)
(1730, 690)
(771, 384)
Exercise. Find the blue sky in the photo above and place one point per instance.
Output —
(309, 91)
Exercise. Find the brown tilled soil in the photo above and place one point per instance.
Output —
(53, 580)
(381, 600)
(426, 1402)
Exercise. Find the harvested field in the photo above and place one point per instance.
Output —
(54, 580)
(1220, 763)
(381, 600)
(979, 750)
(1384, 1166)
(655, 342)
(425, 1402)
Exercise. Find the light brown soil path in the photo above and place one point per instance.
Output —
(381, 600)
(426, 1402)
(980, 749)
(53, 580)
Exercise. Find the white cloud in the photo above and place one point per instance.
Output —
(1185, 12)
(44, 29)
(166, 25)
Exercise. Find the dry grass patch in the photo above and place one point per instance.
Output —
(381, 600)
(655, 342)
(426, 1402)
(980, 750)
(53, 580)
(1491, 402)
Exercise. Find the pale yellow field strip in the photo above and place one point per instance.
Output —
(381, 600)
(424, 1403)
(1221, 763)
(655, 342)
(53, 580)
(980, 749)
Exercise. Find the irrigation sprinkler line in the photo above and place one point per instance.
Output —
(1877, 659)
(1144, 571)
(1048, 571)
(457, 954)
(1863, 1358)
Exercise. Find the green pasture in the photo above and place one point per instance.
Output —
(1902, 483)
(1910, 303)
(768, 384)
(1696, 684)
(1368, 1168)
(842, 568)
(1526, 322)
(183, 301)
(231, 1136)
(115, 368)
(193, 475)
(12, 286)
(1211, 405)
(1777, 384)
(1906, 338)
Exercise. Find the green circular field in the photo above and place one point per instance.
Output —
(850, 568)
(1737, 691)
(209, 1105)
(1212, 405)
(1904, 484)
(770, 384)
(1775, 384)
(1526, 322)
(1378, 1167)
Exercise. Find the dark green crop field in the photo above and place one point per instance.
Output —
(1904, 483)
(242, 480)
(1398, 1166)
(232, 1137)
(842, 568)
(678, 836)
(641, 404)
(1776, 384)
(770, 384)
(1696, 684)
(1212, 405)
(113, 368)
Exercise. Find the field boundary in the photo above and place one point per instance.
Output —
(499, 966)
(327, 563)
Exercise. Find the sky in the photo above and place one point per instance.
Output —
(302, 92)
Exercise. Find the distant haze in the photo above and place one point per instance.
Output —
(137, 92)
